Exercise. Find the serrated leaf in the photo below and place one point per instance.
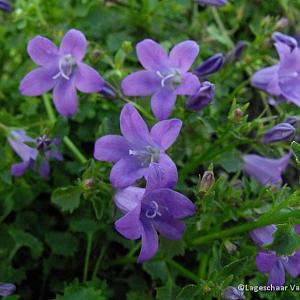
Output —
(167, 292)
(189, 292)
(157, 270)
(67, 198)
(62, 243)
(286, 241)
(172, 248)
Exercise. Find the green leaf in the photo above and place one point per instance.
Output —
(296, 150)
(84, 225)
(189, 292)
(62, 243)
(167, 292)
(172, 248)
(61, 128)
(286, 240)
(67, 198)
(80, 292)
(157, 270)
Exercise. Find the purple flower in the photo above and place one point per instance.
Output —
(211, 65)
(61, 70)
(297, 228)
(30, 150)
(165, 76)
(7, 289)
(280, 132)
(202, 98)
(232, 293)
(283, 79)
(212, 2)
(275, 266)
(156, 208)
(5, 5)
(264, 235)
(266, 171)
(236, 52)
(138, 148)
(285, 39)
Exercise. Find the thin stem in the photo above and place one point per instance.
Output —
(87, 256)
(263, 221)
(98, 262)
(182, 270)
(68, 142)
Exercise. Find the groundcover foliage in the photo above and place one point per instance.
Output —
(58, 236)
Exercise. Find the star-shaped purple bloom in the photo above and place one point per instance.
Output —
(283, 79)
(165, 76)
(138, 148)
(275, 266)
(30, 150)
(266, 171)
(156, 208)
(61, 70)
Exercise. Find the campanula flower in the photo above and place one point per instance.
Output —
(61, 70)
(266, 171)
(202, 98)
(264, 235)
(232, 293)
(275, 266)
(156, 208)
(281, 80)
(211, 65)
(285, 39)
(6, 289)
(280, 132)
(5, 5)
(297, 228)
(34, 153)
(212, 2)
(165, 76)
(137, 149)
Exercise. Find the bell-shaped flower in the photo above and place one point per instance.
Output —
(280, 132)
(61, 70)
(276, 266)
(135, 151)
(6, 289)
(165, 76)
(35, 153)
(283, 79)
(266, 171)
(212, 2)
(5, 5)
(148, 211)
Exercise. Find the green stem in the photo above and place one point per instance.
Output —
(182, 270)
(87, 256)
(40, 14)
(264, 221)
(68, 142)
(98, 262)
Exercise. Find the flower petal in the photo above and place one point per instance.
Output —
(162, 103)
(265, 261)
(42, 51)
(151, 55)
(111, 148)
(149, 242)
(293, 264)
(169, 227)
(141, 83)
(183, 55)
(130, 225)
(264, 235)
(54, 154)
(168, 170)
(39, 81)
(87, 79)
(24, 151)
(165, 133)
(177, 205)
(65, 97)
(74, 43)
(125, 172)
(277, 275)
(44, 169)
(20, 168)
(190, 85)
(133, 127)
(128, 198)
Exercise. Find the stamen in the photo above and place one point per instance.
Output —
(152, 213)
(65, 65)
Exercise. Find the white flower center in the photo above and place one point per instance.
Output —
(171, 79)
(146, 156)
(152, 212)
(66, 67)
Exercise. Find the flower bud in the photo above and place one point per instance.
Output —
(237, 115)
(285, 39)
(282, 23)
(202, 98)
(280, 132)
(293, 120)
(5, 5)
(211, 65)
(89, 183)
(7, 289)
(212, 2)
(207, 181)
(232, 293)
(108, 91)
(230, 247)
(236, 52)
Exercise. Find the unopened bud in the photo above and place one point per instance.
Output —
(232, 293)
(207, 181)
(293, 120)
(5, 6)
(211, 65)
(282, 23)
(206, 289)
(7, 289)
(280, 132)
(89, 183)
(96, 54)
(237, 115)
(230, 247)
(212, 2)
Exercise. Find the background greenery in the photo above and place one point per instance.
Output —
(57, 239)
